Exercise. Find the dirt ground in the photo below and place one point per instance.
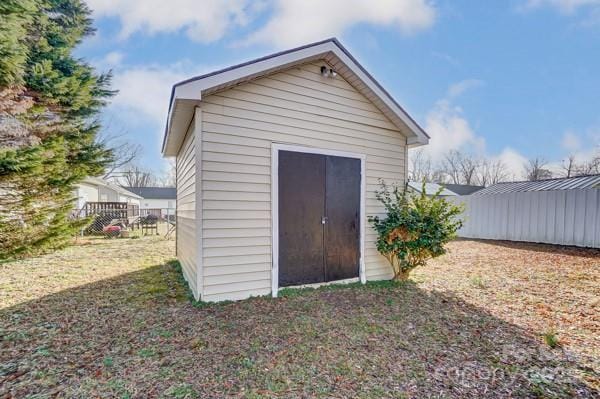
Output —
(112, 318)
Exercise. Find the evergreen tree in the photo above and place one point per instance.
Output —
(14, 15)
(48, 104)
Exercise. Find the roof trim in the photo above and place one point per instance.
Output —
(188, 93)
(97, 181)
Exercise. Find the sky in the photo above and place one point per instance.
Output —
(509, 80)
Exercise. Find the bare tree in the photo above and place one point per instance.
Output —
(535, 170)
(591, 167)
(460, 168)
(569, 166)
(491, 172)
(419, 166)
(451, 166)
(136, 177)
(468, 168)
(124, 153)
(169, 178)
(438, 175)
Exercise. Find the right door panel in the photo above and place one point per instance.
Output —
(342, 209)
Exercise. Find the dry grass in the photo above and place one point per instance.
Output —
(107, 320)
(87, 261)
(545, 289)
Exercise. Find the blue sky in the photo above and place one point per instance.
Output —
(502, 79)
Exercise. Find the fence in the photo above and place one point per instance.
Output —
(565, 217)
(122, 209)
(119, 219)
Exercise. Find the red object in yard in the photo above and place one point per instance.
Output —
(112, 229)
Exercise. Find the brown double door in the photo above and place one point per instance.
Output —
(319, 218)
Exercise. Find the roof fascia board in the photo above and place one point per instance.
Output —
(415, 141)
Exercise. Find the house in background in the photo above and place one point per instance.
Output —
(95, 189)
(278, 160)
(163, 198)
(430, 189)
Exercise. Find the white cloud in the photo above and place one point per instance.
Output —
(114, 58)
(587, 11)
(449, 130)
(513, 161)
(448, 127)
(584, 146)
(563, 6)
(459, 88)
(204, 21)
(288, 22)
(296, 22)
(143, 102)
(144, 91)
(111, 60)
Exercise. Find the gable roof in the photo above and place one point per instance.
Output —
(430, 188)
(167, 193)
(97, 181)
(186, 95)
(463, 189)
(565, 183)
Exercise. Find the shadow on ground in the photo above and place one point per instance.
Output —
(138, 336)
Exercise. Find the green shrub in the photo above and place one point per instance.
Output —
(551, 339)
(416, 227)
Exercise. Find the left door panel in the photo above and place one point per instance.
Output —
(302, 179)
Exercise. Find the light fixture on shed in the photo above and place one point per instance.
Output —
(324, 71)
(328, 72)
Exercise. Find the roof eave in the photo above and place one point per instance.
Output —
(417, 141)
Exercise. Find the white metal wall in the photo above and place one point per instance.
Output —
(566, 217)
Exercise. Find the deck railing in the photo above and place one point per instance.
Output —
(111, 217)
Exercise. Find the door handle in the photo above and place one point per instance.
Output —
(324, 220)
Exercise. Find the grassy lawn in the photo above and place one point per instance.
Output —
(112, 319)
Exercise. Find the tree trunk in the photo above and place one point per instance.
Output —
(401, 275)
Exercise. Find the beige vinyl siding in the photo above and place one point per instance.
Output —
(186, 209)
(239, 125)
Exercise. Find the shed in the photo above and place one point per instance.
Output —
(278, 160)
(562, 211)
